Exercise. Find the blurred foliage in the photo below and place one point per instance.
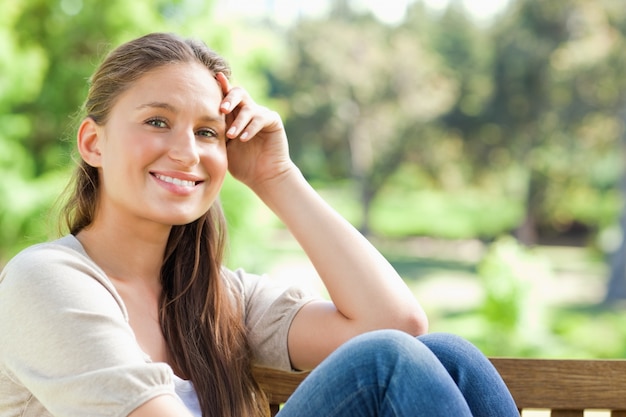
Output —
(520, 313)
(358, 107)
(434, 126)
(528, 110)
(513, 309)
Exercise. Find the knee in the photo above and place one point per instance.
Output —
(392, 354)
(385, 347)
(447, 344)
(461, 358)
(387, 340)
(443, 339)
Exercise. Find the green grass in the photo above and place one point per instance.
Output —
(544, 302)
(434, 213)
(401, 213)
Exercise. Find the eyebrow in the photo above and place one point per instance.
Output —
(173, 109)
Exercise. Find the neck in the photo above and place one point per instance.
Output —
(126, 254)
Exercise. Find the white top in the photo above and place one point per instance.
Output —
(187, 394)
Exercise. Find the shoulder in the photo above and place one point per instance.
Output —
(60, 253)
(247, 287)
(263, 290)
(269, 308)
(239, 282)
(57, 270)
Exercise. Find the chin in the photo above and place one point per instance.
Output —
(183, 217)
(186, 219)
(183, 222)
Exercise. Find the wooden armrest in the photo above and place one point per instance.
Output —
(565, 386)
(278, 385)
(565, 383)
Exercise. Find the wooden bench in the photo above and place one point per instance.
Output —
(567, 387)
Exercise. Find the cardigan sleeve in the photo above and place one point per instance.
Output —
(66, 344)
(269, 309)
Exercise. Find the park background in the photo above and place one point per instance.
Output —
(483, 156)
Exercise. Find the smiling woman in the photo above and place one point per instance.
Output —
(132, 312)
(162, 151)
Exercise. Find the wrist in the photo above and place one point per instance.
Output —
(278, 186)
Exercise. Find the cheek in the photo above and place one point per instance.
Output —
(218, 158)
(132, 147)
(215, 162)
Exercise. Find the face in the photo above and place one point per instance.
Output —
(162, 152)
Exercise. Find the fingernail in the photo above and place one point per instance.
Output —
(226, 105)
(244, 136)
(232, 131)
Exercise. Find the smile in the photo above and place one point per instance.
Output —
(175, 181)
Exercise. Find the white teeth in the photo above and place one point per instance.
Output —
(175, 181)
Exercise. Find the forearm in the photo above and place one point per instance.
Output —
(362, 284)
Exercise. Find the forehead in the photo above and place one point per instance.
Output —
(181, 84)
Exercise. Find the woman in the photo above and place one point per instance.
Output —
(133, 314)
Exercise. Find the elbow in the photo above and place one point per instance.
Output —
(416, 323)
(412, 321)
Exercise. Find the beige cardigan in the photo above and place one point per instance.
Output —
(67, 349)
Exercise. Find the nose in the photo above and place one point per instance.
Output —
(184, 149)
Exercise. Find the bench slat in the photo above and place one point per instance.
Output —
(278, 385)
(567, 413)
(565, 384)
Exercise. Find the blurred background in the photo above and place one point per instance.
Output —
(479, 144)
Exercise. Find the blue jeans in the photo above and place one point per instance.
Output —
(389, 373)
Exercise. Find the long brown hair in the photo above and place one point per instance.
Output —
(200, 320)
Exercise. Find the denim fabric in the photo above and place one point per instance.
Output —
(389, 373)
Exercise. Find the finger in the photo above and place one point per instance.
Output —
(252, 128)
(237, 97)
(262, 119)
(222, 80)
(243, 117)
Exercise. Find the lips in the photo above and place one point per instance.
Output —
(176, 181)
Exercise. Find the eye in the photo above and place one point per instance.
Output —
(207, 133)
(157, 122)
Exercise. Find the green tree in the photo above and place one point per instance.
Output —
(362, 94)
(554, 115)
(465, 52)
(558, 126)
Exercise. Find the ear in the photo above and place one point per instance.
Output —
(88, 141)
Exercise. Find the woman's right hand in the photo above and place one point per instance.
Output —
(256, 139)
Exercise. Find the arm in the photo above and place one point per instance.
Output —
(366, 292)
